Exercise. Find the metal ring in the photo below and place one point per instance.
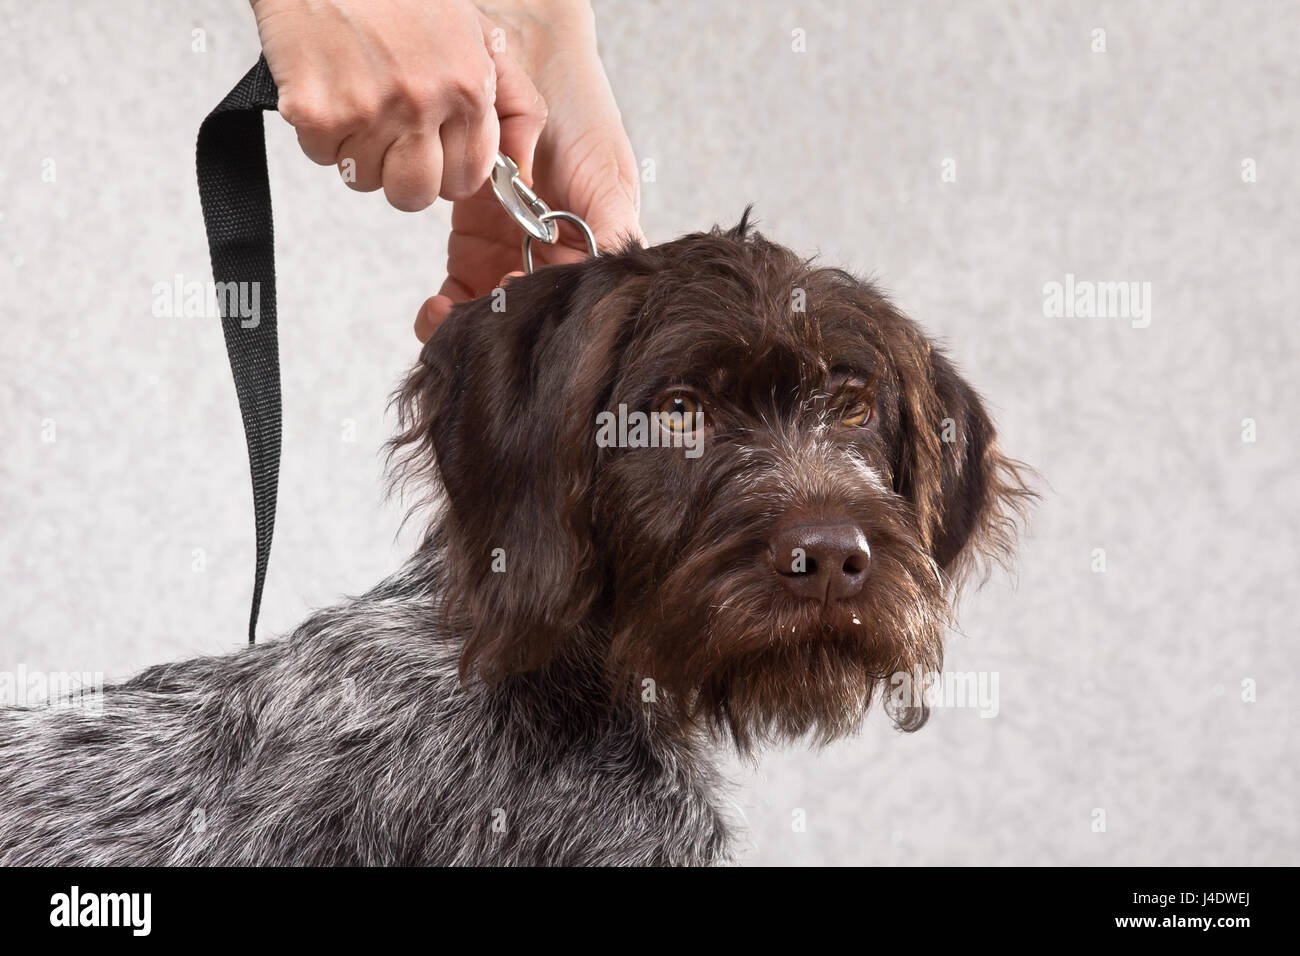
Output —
(550, 216)
(524, 206)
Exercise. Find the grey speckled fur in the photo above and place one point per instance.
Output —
(352, 741)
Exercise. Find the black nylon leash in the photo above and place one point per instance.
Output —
(235, 192)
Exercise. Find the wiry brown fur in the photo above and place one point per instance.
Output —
(661, 559)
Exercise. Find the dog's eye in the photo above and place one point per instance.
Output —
(853, 412)
(852, 397)
(679, 412)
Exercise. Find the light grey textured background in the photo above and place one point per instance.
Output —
(1118, 690)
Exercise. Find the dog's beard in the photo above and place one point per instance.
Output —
(730, 650)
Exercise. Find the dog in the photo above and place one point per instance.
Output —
(594, 610)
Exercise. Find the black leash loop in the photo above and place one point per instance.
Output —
(236, 195)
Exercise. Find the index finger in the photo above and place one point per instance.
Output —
(521, 110)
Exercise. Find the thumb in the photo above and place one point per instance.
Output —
(615, 217)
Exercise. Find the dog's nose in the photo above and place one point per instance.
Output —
(827, 561)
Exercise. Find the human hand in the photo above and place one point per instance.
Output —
(405, 94)
(584, 162)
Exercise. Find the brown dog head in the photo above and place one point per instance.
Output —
(744, 482)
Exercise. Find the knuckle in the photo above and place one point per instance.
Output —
(474, 92)
(364, 109)
(412, 97)
(466, 93)
(309, 110)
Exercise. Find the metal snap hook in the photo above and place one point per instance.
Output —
(546, 219)
(524, 206)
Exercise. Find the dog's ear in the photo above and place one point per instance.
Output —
(967, 495)
(503, 404)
